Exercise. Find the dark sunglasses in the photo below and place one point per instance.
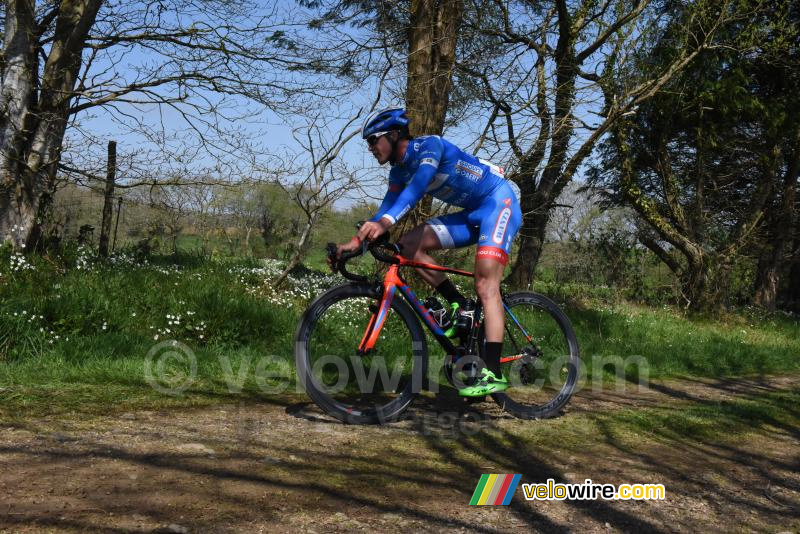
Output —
(372, 139)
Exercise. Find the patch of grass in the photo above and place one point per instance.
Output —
(75, 333)
(670, 344)
(708, 420)
(678, 422)
(77, 339)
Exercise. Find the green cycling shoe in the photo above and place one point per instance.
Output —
(486, 384)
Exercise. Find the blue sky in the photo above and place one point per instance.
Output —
(270, 132)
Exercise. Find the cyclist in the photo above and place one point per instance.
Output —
(490, 218)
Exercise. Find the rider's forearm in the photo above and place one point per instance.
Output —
(388, 201)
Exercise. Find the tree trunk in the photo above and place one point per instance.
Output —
(768, 278)
(697, 276)
(432, 43)
(772, 261)
(37, 240)
(792, 295)
(298, 253)
(108, 199)
(537, 199)
(432, 39)
(247, 250)
(697, 284)
(116, 225)
(531, 241)
(32, 124)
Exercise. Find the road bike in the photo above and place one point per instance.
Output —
(362, 355)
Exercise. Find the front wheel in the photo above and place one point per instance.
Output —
(361, 389)
(542, 357)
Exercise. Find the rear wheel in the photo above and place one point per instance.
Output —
(545, 361)
(362, 389)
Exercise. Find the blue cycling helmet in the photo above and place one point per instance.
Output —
(384, 121)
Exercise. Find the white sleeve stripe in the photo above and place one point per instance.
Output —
(388, 218)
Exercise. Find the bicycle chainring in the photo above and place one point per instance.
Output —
(450, 366)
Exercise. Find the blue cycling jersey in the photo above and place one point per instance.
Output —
(491, 216)
(439, 168)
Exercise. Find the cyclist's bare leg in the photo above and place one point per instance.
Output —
(416, 245)
(488, 274)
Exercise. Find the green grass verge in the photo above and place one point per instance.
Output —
(679, 422)
(76, 339)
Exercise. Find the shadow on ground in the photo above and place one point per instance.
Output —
(252, 466)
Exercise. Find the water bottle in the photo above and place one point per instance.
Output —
(439, 312)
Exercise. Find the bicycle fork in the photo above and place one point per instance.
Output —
(391, 283)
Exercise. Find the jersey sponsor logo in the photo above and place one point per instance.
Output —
(501, 225)
(469, 170)
(492, 253)
(429, 161)
(507, 201)
(416, 147)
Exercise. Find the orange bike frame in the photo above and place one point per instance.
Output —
(392, 281)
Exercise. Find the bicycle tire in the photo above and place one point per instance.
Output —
(305, 346)
(537, 405)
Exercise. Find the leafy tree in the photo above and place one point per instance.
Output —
(701, 161)
(535, 70)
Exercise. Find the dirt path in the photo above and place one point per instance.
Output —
(273, 467)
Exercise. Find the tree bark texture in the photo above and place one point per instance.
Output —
(773, 259)
(537, 198)
(792, 293)
(34, 107)
(698, 271)
(432, 40)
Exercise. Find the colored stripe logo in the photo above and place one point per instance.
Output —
(495, 490)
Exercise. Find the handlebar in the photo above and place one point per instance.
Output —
(376, 248)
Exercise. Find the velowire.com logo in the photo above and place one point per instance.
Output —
(495, 490)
